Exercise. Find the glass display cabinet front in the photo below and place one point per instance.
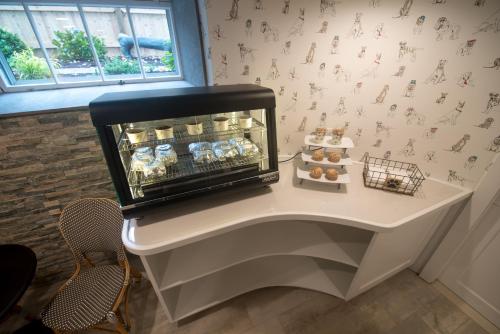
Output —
(170, 155)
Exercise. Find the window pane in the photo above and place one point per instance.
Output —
(62, 32)
(23, 61)
(153, 35)
(111, 25)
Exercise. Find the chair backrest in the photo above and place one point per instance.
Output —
(93, 225)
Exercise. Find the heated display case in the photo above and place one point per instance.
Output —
(163, 145)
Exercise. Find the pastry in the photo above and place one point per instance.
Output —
(331, 174)
(315, 172)
(141, 157)
(333, 157)
(338, 132)
(166, 154)
(319, 134)
(317, 155)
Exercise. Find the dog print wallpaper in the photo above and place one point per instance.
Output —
(410, 80)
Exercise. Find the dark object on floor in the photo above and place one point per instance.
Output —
(34, 327)
(17, 269)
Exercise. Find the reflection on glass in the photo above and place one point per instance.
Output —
(63, 34)
(23, 60)
(153, 36)
(111, 26)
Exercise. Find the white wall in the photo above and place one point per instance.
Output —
(226, 26)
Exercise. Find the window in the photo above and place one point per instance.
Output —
(63, 44)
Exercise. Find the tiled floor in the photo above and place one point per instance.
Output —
(402, 304)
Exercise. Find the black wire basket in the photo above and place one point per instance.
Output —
(391, 175)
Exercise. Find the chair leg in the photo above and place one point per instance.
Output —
(127, 314)
(119, 328)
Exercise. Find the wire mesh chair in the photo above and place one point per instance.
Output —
(93, 294)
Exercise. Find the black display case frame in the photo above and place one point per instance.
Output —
(141, 106)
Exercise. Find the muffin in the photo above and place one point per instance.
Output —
(338, 132)
(317, 155)
(331, 174)
(315, 172)
(333, 157)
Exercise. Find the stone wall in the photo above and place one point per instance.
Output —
(47, 161)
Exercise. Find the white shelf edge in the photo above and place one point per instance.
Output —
(302, 272)
(342, 178)
(346, 142)
(342, 162)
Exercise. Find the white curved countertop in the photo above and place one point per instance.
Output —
(175, 225)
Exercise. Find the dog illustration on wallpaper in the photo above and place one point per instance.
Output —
(470, 163)
(286, 7)
(414, 118)
(273, 72)
(258, 81)
(405, 50)
(381, 96)
(298, 26)
(490, 24)
(404, 11)
(281, 92)
(441, 98)
(321, 70)
(430, 156)
(324, 27)
(379, 31)
(245, 51)
(465, 49)
(302, 125)
(479, 3)
(409, 149)
(360, 111)
(283, 120)
(373, 70)
(258, 5)
(340, 74)
(453, 177)
(451, 117)
(218, 33)
(381, 128)
(430, 133)
(393, 109)
(292, 74)
(444, 28)
(419, 25)
(327, 6)
(310, 54)
(233, 12)
(496, 64)
(221, 71)
(487, 123)
(465, 80)
(269, 32)
(438, 76)
(377, 143)
(356, 29)
(357, 88)
(249, 27)
(322, 119)
(286, 48)
(400, 72)
(314, 106)
(410, 89)
(315, 89)
(492, 102)
(459, 146)
(374, 3)
(387, 155)
(357, 136)
(246, 70)
(341, 109)
(495, 145)
(334, 49)
(292, 104)
(362, 52)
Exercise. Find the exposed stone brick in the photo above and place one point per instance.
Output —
(47, 161)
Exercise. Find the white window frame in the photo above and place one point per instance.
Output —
(128, 4)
